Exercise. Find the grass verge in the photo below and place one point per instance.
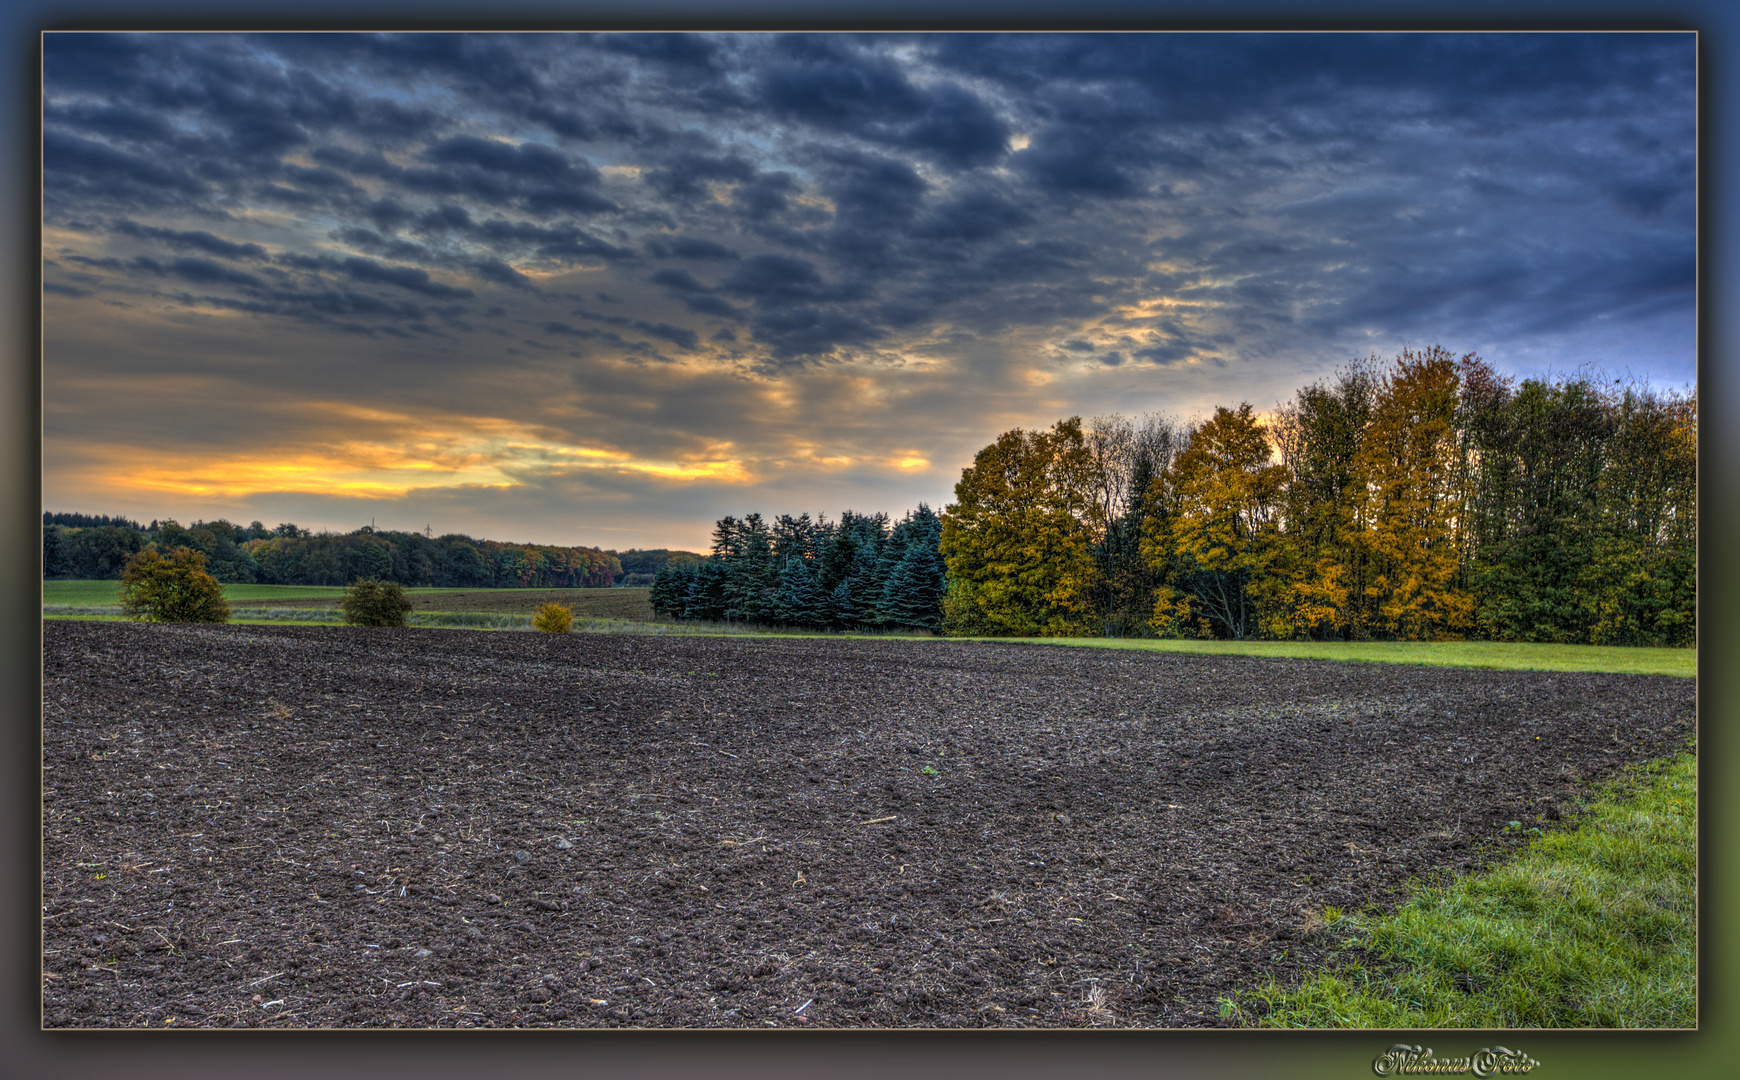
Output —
(1505, 655)
(1591, 928)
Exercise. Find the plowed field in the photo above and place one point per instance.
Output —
(249, 826)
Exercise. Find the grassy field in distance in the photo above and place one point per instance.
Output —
(470, 607)
(614, 604)
(85, 593)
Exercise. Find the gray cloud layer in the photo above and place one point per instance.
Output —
(814, 254)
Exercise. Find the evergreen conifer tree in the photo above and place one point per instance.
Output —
(670, 588)
(750, 572)
(912, 595)
(843, 607)
(801, 600)
(705, 597)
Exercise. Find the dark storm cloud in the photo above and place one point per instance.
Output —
(562, 328)
(201, 271)
(196, 239)
(694, 296)
(75, 166)
(685, 175)
(371, 241)
(767, 196)
(689, 247)
(323, 306)
(405, 277)
(680, 280)
(119, 122)
(682, 50)
(803, 331)
(973, 216)
(501, 273)
(562, 241)
(680, 336)
(528, 161)
(714, 306)
(780, 279)
(835, 85)
(876, 193)
(446, 217)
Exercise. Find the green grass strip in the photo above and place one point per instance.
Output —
(1512, 656)
(1592, 928)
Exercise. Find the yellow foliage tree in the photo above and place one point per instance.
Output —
(1223, 529)
(554, 618)
(1319, 574)
(173, 589)
(1018, 539)
(1408, 502)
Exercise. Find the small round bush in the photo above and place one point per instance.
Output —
(375, 603)
(176, 589)
(554, 618)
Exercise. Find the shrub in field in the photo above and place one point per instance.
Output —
(173, 589)
(554, 618)
(375, 603)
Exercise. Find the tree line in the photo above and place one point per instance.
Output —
(1424, 499)
(72, 547)
(861, 572)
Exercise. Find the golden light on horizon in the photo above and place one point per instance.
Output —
(394, 455)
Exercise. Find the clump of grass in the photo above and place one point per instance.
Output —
(554, 618)
(300, 615)
(471, 620)
(1502, 655)
(1590, 928)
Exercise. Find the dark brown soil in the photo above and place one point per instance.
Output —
(251, 826)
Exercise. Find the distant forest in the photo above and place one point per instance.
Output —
(92, 546)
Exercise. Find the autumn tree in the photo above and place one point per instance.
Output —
(172, 589)
(1320, 575)
(1407, 481)
(1130, 457)
(1018, 539)
(553, 618)
(375, 603)
(1587, 526)
(1223, 530)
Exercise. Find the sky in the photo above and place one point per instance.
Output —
(605, 289)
